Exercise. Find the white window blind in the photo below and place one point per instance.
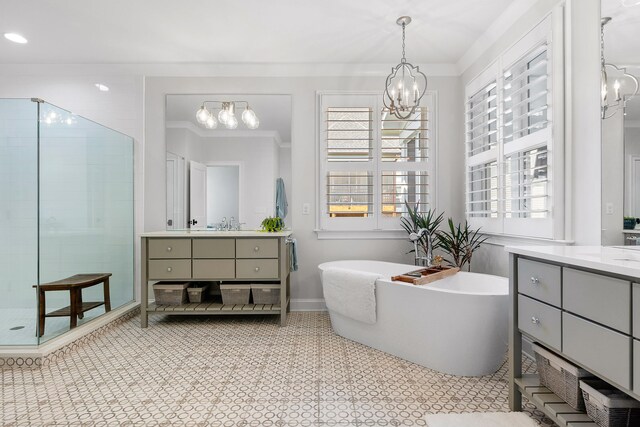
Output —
(371, 163)
(509, 141)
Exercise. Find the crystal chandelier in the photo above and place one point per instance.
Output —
(617, 86)
(406, 84)
(208, 118)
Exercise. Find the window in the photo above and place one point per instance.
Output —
(370, 163)
(512, 176)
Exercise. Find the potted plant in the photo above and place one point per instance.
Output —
(416, 221)
(458, 243)
(272, 225)
(629, 223)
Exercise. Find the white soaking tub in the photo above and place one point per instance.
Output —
(456, 325)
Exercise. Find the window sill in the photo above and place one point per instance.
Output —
(499, 239)
(361, 234)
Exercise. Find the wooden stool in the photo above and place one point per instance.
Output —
(76, 309)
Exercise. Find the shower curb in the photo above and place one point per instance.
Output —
(35, 360)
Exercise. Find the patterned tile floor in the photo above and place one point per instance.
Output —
(238, 371)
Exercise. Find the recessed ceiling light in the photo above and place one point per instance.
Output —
(14, 37)
(102, 88)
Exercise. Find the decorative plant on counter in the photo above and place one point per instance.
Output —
(417, 221)
(459, 243)
(272, 225)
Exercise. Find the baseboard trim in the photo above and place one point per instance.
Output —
(308, 304)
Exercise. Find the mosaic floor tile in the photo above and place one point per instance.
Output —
(239, 371)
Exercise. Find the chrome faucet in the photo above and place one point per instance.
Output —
(224, 225)
(415, 237)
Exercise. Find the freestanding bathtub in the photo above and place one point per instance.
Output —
(457, 325)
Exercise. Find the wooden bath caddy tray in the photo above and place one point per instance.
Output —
(427, 275)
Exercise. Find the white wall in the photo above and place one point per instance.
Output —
(223, 191)
(306, 287)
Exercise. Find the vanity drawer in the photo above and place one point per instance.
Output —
(257, 269)
(169, 248)
(214, 248)
(636, 311)
(169, 269)
(599, 298)
(540, 320)
(636, 366)
(606, 352)
(257, 248)
(218, 268)
(540, 281)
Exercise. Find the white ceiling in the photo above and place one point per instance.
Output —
(273, 111)
(248, 31)
(622, 34)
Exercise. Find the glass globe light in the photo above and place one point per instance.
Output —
(211, 122)
(202, 115)
(254, 124)
(232, 122)
(223, 116)
(248, 116)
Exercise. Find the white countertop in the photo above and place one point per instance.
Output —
(634, 231)
(611, 259)
(212, 233)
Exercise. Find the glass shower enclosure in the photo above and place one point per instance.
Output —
(66, 208)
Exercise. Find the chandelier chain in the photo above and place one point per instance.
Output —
(403, 55)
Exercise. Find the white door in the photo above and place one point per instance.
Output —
(197, 195)
(176, 203)
(171, 176)
(635, 188)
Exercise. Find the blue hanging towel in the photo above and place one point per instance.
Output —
(282, 207)
(293, 255)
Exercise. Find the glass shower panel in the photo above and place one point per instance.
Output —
(18, 221)
(86, 210)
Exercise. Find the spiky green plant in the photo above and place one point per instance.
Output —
(459, 243)
(416, 220)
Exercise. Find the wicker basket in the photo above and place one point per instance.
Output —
(609, 407)
(170, 293)
(197, 292)
(235, 293)
(560, 376)
(265, 293)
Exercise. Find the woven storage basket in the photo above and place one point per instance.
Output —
(197, 292)
(560, 376)
(609, 407)
(170, 293)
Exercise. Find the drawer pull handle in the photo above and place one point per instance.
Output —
(169, 269)
(169, 248)
(535, 281)
(535, 320)
(256, 249)
(257, 269)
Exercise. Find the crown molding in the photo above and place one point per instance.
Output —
(223, 70)
(268, 135)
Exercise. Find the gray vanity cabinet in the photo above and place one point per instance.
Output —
(589, 317)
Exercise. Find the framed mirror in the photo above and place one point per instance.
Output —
(223, 174)
(621, 125)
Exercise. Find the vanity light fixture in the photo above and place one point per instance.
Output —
(16, 38)
(226, 116)
(617, 86)
(406, 84)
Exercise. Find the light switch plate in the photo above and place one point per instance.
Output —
(306, 208)
(609, 208)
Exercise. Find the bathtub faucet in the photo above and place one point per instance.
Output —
(415, 238)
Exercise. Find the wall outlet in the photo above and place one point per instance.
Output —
(609, 208)
(306, 208)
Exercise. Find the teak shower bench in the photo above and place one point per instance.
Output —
(76, 309)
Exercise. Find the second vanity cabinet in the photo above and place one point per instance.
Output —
(588, 316)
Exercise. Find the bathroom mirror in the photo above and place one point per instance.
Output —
(230, 171)
(621, 128)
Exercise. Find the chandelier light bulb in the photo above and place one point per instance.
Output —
(211, 122)
(202, 115)
(248, 116)
(232, 122)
